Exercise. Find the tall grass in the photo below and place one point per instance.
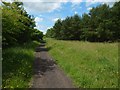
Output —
(18, 65)
(90, 65)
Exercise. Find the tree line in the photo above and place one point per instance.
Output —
(101, 24)
(18, 27)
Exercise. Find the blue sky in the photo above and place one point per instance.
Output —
(46, 12)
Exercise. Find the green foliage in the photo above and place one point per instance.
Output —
(18, 65)
(18, 33)
(90, 65)
(17, 25)
(116, 20)
(37, 35)
(99, 25)
(50, 33)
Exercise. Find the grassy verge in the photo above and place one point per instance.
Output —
(18, 65)
(90, 65)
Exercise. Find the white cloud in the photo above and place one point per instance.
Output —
(41, 28)
(41, 6)
(50, 1)
(89, 8)
(38, 26)
(7, 0)
(48, 28)
(76, 2)
(45, 5)
(40, 15)
(94, 1)
(55, 19)
(108, 2)
(75, 12)
(37, 19)
(38, 0)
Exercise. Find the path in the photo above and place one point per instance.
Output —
(47, 73)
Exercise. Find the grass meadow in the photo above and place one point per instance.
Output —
(17, 65)
(89, 65)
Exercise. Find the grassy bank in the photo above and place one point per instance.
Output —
(90, 65)
(18, 65)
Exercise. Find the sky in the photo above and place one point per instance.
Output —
(46, 12)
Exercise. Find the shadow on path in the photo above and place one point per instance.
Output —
(42, 62)
(46, 72)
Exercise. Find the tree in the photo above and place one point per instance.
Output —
(50, 33)
(101, 24)
(76, 27)
(57, 28)
(37, 35)
(17, 25)
(116, 20)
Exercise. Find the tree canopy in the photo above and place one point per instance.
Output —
(17, 25)
(99, 25)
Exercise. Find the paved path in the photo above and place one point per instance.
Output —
(47, 73)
